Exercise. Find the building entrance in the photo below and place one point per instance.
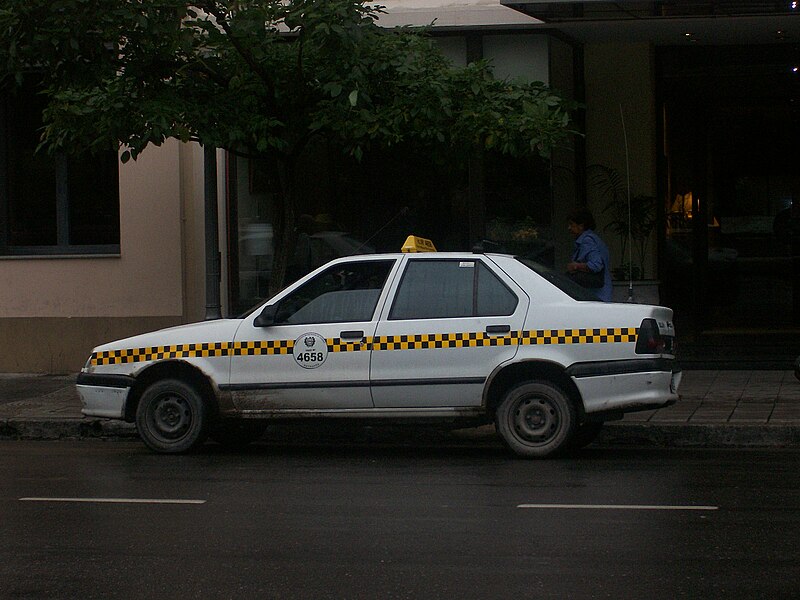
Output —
(730, 264)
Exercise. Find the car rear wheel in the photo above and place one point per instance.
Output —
(172, 417)
(535, 419)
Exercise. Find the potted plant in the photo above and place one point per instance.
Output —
(631, 219)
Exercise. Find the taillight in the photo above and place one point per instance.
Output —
(650, 340)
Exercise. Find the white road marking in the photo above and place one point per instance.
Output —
(618, 507)
(116, 500)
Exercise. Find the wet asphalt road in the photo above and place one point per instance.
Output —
(377, 522)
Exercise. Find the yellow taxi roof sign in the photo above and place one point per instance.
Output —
(417, 244)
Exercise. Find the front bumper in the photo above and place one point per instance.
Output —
(104, 395)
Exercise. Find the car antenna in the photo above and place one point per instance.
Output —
(630, 240)
(400, 213)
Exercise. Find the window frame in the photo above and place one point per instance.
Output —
(474, 259)
(390, 263)
(62, 247)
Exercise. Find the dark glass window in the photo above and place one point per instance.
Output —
(440, 289)
(52, 204)
(562, 282)
(343, 293)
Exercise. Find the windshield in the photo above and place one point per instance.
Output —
(562, 282)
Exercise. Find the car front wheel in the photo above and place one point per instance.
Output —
(172, 417)
(535, 419)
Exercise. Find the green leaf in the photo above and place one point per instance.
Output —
(353, 98)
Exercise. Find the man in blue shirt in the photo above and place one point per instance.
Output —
(591, 253)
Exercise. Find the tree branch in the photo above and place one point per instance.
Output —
(246, 55)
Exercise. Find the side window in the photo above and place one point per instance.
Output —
(440, 289)
(493, 297)
(341, 293)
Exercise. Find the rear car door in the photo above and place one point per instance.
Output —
(450, 323)
(314, 354)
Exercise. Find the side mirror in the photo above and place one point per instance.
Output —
(267, 316)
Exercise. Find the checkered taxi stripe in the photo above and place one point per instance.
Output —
(400, 342)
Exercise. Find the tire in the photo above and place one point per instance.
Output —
(235, 434)
(172, 417)
(536, 419)
(584, 434)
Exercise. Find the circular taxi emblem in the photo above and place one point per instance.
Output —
(310, 350)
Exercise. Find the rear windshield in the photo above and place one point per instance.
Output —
(562, 282)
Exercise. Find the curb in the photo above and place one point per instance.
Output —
(652, 435)
(65, 429)
(687, 435)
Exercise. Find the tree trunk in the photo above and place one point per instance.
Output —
(284, 231)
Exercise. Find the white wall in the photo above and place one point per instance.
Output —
(523, 56)
(451, 13)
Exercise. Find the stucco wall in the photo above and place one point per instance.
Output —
(145, 279)
(56, 309)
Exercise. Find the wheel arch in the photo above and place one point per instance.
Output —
(508, 376)
(172, 369)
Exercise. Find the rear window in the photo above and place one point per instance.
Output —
(562, 282)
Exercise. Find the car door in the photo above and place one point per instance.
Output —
(451, 322)
(310, 349)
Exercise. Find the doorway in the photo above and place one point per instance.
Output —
(731, 188)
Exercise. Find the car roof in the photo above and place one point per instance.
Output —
(428, 255)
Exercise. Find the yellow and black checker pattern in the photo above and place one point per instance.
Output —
(477, 339)
(619, 335)
(215, 349)
(339, 345)
(474, 339)
(261, 348)
(132, 355)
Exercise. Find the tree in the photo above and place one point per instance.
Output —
(260, 78)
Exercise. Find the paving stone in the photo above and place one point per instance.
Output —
(640, 416)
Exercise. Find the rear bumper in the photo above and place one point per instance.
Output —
(104, 395)
(627, 386)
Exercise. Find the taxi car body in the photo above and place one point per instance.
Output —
(458, 337)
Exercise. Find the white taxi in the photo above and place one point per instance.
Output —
(467, 338)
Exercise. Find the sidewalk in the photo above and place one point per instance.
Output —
(717, 409)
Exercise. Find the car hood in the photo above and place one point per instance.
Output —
(221, 330)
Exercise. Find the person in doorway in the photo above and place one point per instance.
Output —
(590, 266)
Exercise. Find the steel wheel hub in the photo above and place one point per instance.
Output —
(171, 416)
(536, 419)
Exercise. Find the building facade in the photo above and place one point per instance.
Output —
(710, 94)
(697, 112)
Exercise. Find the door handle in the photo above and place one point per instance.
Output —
(498, 328)
(352, 335)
